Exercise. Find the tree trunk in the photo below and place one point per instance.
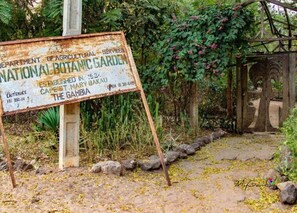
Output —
(229, 94)
(193, 107)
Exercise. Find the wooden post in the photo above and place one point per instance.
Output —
(239, 104)
(5, 148)
(292, 83)
(244, 90)
(70, 113)
(285, 111)
(289, 92)
(155, 136)
(149, 116)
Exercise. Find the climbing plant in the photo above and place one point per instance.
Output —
(201, 44)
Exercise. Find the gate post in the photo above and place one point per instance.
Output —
(239, 126)
(292, 83)
(288, 85)
(241, 84)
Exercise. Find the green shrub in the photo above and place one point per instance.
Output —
(288, 150)
(290, 131)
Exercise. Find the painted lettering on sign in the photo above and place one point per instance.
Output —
(46, 72)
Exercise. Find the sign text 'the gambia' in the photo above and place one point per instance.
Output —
(53, 71)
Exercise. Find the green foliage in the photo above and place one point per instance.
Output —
(289, 129)
(51, 12)
(213, 104)
(5, 11)
(289, 157)
(144, 23)
(203, 43)
(111, 18)
(202, 4)
(53, 9)
(119, 123)
(13, 17)
(198, 47)
(49, 119)
(92, 18)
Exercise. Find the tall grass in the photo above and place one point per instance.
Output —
(120, 123)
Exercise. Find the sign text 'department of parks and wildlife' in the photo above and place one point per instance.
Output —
(46, 72)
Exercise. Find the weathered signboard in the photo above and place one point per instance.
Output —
(46, 72)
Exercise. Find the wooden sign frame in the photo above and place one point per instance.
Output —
(138, 88)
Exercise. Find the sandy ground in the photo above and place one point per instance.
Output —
(275, 108)
(225, 176)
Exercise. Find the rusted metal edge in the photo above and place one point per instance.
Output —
(71, 101)
(5, 43)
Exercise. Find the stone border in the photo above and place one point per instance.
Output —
(153, 162)
(18, 165)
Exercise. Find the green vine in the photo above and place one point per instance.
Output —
(203, 44)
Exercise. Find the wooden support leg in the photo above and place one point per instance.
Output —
(5, 148)
(156, 139)
(149, 116)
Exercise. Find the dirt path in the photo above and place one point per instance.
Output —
(225, 176)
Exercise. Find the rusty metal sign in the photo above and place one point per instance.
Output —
(45, 72)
